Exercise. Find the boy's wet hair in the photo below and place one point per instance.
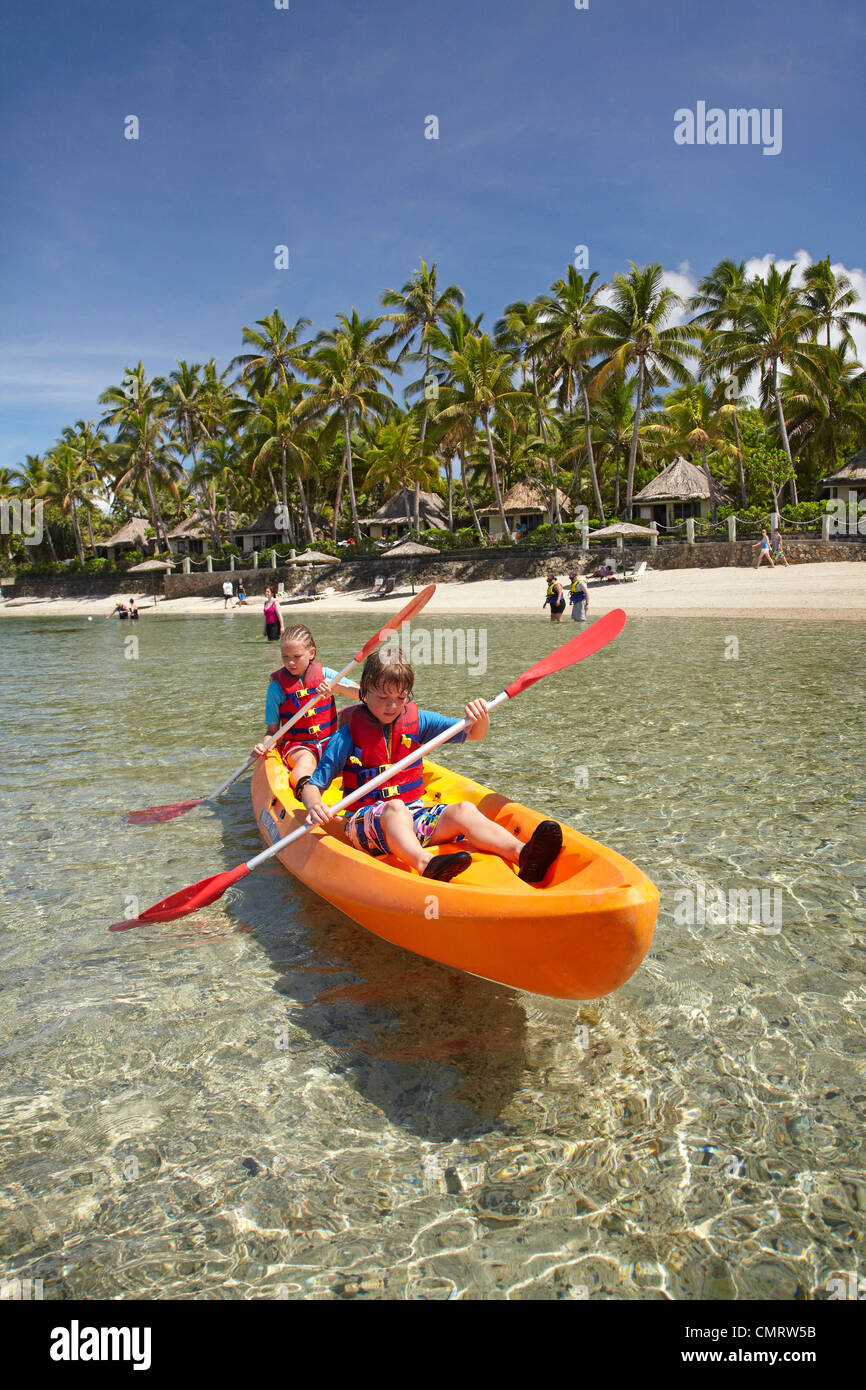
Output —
(298, 633)
(387, 667)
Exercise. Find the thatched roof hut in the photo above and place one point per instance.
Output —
(680, 490)
(393, 513)
(848, 482)
(131, 536)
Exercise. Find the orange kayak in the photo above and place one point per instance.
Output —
(579, 934)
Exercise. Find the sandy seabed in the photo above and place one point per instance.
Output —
(809, 591)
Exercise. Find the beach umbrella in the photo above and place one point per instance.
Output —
(411, 548)
(621, 528)
(313, 557)
(154, 567)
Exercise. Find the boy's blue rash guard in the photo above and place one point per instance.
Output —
(339, 748)
(276, 695)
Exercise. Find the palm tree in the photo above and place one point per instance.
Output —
(68, 486)
(830, 297)
(826, 405)
(568, 338)
(482, 384)
(139, 415)
(190, 410)
(419, 310)
(90, 445)
(691, 421)
(392, 459)
(32, 481)
(718, 304)
(774, 329)
(278, 434)
(633, 332)
(348, 372)
(278, 355)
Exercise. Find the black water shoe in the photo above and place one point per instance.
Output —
(444, 867)
(540, 851)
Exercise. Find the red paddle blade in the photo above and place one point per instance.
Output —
(389, 628)
(188, 900)
(596, 637)
(152, 814)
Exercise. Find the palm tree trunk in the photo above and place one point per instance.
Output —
(339, 497)
(596, 491)
(495, 477)
(421, 445)
(475, 522)
(78, 545)
(709, 477)
(783, 430)
(51, 542)
(450, 476)
(155, 513)
(356, 528)
(90, 529)
(632, 458)
(740, 473)
(308, 525)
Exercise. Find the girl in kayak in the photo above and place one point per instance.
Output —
(393, 819)
(289, 689)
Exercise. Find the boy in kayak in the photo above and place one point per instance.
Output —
(392, 819)
(290, 688)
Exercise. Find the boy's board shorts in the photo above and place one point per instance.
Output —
(364, 828)
(317, 749)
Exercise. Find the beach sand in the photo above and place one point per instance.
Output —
(812, 591)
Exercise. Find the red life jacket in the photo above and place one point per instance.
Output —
(371, 754)
(320, 720)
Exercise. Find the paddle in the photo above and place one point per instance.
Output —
(207, 890)
(153, 814)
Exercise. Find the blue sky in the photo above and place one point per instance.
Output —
(305, 127)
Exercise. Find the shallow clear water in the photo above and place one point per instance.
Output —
(265, 1100)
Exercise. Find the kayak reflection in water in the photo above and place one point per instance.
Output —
(392, 819)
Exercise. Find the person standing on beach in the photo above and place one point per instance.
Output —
(133, 611)
(778, 550)
(579, 595)
(273, 617)
(242, 594)
(228, 594)
(764, 543)
(556, 598)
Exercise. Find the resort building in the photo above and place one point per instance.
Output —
(131, 536)
(392, 515)
(525, 508)
(261, 534)
(192, 536)
(681, 490)
(848, 483)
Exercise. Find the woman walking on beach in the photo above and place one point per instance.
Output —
(764, 543)
(273, 617)
(778, 550)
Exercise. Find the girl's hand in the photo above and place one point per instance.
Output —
(323, 688)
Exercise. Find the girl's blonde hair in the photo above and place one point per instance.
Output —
(298, 633)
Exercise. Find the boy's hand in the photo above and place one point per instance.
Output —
(319, 814)
(478, 719)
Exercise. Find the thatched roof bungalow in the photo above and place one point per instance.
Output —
(524, 507)
(131, 536)
(393, 515)
(190, 536)
(680, 490)
(848, 483)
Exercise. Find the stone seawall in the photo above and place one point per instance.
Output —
(452, 566)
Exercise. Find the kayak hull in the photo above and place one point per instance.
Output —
(580, 934)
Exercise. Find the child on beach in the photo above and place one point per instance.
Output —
(778, 549)
(290, 688)
(392, 819)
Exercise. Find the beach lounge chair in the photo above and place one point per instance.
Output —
(389, 587)
(281, 592)
(637, 573)
(378, 586)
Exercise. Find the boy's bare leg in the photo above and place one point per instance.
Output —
(464, 818)
(399, 830)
